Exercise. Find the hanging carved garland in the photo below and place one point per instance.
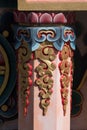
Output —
(46, 54)
(25, 73)
(65, 67)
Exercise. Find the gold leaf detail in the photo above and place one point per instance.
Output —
(45, 54)
(65, 67)
(24, 55)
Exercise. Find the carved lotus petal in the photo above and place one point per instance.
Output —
(22, 17)
(59, 18)
(45, 18)
(34, 18)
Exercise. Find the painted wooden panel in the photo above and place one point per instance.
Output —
(52, 5)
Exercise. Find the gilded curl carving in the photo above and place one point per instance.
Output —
(65, 67)
(24, 67)
(46, 55)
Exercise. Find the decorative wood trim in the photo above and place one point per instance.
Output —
(65, 67)
(51, 6)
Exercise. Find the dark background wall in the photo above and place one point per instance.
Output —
(8, 3)
(79, 122)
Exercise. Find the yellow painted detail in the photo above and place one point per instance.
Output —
(4, 108)
(5, 33)
(4, 70)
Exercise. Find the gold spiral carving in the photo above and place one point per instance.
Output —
(65, 67)
(46, 55)
(24, 55)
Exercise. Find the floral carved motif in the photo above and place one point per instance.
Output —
(46, 55)
(44, 17)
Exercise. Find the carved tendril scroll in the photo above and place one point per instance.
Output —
(65, 67)
(46, 55)
(25, 74)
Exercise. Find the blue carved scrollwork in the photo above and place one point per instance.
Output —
(37, 35)
(22, 33)
(68, 36)
(50, 34)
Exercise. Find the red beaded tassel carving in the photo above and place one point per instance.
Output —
(25, 74)
(65, 67)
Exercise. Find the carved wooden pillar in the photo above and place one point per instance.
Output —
(45, 77)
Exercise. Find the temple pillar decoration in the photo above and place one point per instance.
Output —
(51, 78)
(46, 44)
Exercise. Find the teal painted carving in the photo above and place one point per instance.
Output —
(38, 35)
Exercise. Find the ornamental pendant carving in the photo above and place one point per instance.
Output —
(25, 73)
(65, 67)
(46, 54)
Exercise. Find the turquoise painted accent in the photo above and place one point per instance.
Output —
(54, 34)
